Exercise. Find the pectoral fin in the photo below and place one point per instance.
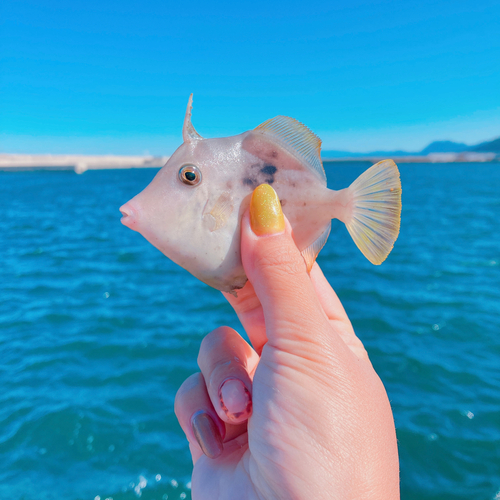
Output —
(220, 212)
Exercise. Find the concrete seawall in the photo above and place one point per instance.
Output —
(77, 163)
(81, 163)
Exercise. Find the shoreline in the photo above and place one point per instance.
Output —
(77, 163)
(82, 163)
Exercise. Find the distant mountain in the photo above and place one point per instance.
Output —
(347, 154)
(433, 147)
(487, 147)
(444, 147)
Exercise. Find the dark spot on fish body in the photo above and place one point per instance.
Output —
(265, 175)
(274, 154)
(304, 204)
(269, 171)
(229, 184)
(283, 202)
(247, 181)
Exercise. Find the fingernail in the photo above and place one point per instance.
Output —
(235, 398)
(266, 216)
(207, 434)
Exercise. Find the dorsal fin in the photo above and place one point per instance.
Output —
(311, 252)
(297, 139)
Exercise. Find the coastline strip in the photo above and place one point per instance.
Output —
(77, 163)
(82, 163)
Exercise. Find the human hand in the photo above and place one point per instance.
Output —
(300, 415)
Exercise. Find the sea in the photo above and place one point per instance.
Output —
(98, 330)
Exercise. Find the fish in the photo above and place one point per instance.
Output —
(192, 209)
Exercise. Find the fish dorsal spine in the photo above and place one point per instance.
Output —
(189, 133)
(304, 144)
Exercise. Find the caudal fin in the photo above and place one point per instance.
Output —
(376, 210)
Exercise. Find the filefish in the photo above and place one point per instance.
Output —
(191, 210)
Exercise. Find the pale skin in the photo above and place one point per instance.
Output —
(319, 425)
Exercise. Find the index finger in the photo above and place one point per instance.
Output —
(249, 310)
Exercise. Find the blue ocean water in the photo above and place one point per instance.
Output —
(98, 330)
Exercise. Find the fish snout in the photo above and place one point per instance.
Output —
(129, 216)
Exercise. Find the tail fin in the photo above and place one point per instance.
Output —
(376, 213)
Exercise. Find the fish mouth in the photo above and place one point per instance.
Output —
(128, 216)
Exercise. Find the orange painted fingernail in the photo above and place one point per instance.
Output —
(266, 216)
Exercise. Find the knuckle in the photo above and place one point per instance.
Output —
(213, 342)
(189, 385)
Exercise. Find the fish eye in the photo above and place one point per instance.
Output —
(190, 175)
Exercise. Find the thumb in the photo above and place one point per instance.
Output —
(294, 318)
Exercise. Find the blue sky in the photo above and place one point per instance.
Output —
(113, 77)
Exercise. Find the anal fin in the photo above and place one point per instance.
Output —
(311, 252)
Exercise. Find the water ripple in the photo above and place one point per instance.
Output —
(98, 330)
